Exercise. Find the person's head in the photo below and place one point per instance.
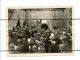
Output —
(36, 34)
(14, 33)
(63, 39)
(41, 38)
(24, 40)
(54, 30)
(40, 44)
(34, 48)
(30, 29)
(19, 41)
(42, 35)
(39, 30)
(11, 47)
(44, 27)
(69, 34)
(64, 33)
(32, 40)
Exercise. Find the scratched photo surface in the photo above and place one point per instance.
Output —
(40, 30)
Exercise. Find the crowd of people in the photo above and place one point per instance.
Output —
(40, 40)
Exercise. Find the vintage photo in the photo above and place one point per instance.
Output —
(40, 30)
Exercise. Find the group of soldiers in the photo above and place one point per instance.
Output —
(40, 40)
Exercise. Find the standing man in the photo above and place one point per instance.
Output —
(25, 46)
(44, 28)
(55, 40)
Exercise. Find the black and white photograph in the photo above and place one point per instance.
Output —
(40, 30)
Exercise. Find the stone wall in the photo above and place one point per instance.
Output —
(16, 15)
(56, 15)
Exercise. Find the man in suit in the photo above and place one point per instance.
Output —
(44, 28)
(25, 46)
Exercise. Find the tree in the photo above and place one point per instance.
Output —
(24, 24)
(13, 29)
(18, 23)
